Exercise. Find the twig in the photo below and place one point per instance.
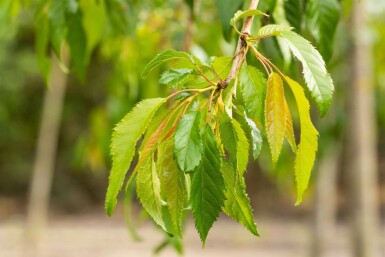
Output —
(240, 50)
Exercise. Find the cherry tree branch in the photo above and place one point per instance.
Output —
(240, 52)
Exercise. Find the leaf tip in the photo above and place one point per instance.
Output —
(109, 207)
(299, 200)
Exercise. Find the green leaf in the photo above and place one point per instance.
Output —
(294, 13)
(148, 190)
(252, 85)
(124, 137)
(226, 10)
(317, 79)
(256, 138)
(322, 18)
(242, 148)
(308, 144)
(221, 66)
(237, 203)
(58, 23)
(273, 30)
(94, 20)
(275, 115)
(77, 41)
(42, 42)
(187, 142)
(235, 142)
(172, 184)
(242, 14)
(289, 129)
(175, 77)
(163, 57)
(207, 188)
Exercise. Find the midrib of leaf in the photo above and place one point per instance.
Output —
(275, 115)
(207, 187)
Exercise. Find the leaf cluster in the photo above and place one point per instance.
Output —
(194, 145)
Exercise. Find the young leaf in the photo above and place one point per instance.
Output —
(308, 144)
(235, 142)
(275, 115)
(148, 190)
(187, 142)
(322, 17)
(242, 14)
(237, 203)
(175, 77)
(289, 130)
(317, 79)
(163, 57)
(221, 66)
(252, 85)
(273, 29)
(172, 184)
(207, 188)
(126, 134)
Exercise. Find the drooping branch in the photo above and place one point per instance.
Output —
(240, 52)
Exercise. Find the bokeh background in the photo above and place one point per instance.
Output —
(54, 140)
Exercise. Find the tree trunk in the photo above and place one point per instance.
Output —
(324, 213)
(45, 157)
(361, 132)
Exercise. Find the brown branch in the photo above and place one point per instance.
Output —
(240, 52)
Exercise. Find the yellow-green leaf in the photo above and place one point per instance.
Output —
(289, 130)
(275, 122)
(148, 190)
(172, 184)
(308, 144)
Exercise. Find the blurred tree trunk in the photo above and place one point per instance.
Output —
(361, 138)
(324, 213)
(43, 170)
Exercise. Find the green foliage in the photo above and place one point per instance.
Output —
(212, 119)
(243, 14)
(253, 91)
(226, 10)
(237, 204)
(207, 187)
(322, 17)
(173, 181)
(148, 190)
(175, 77)
(188, 143)
(163, 57)
(317, 79)
(126, 133)
(195, 153)
(235, 142)
(294, 13)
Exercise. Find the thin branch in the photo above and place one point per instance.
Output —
(241, 47)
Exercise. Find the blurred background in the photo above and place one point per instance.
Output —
(69, 70)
